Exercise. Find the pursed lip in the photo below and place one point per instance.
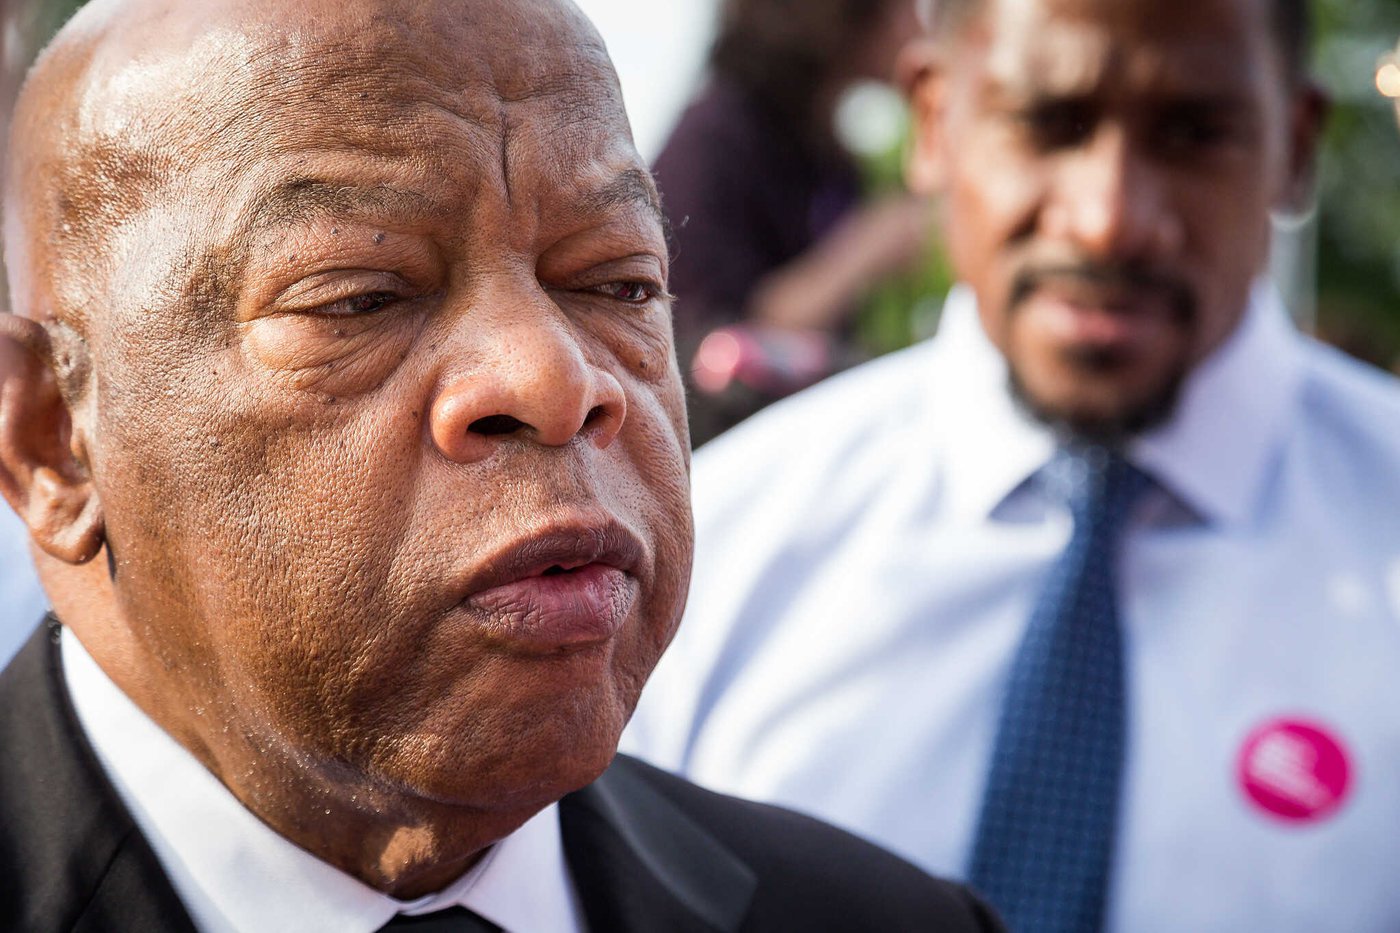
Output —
(568, 584)
(1121, 292)
(1111, 315)
(568, 544)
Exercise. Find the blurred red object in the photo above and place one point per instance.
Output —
(771, 361)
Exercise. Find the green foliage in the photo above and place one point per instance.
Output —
(52, 15)
(904, 309)
(1359, 182)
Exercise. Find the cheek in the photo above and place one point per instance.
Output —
(652, 483)
(640, 342)
(987, 214)
(666, 396)
(1228, 239)
(641, 353)
(275, 519)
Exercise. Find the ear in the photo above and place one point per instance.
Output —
(1309, 107)
(922, 73)
(43, 470)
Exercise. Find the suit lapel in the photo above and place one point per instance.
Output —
(71, 857)
(641, 864)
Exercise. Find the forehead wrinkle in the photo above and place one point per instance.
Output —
(571, 111)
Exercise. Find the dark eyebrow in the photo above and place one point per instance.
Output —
(302, 199)
(628, 188)
(1214, 104)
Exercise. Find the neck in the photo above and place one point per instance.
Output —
(379, 831)
(405, 851)
(388, 835)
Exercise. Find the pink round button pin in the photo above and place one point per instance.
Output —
(1295, 770)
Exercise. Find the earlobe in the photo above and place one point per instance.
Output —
(43, 471)
(66, 521)
(1311, 106)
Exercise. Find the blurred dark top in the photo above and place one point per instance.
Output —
(745, 192)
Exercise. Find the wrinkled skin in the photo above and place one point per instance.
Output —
(1108, 168)
(275, 263)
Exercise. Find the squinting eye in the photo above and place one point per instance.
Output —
(1192, 132)
(633, 293)
(1059, 124)
(367, 303)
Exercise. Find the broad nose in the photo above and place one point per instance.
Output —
(529, 380)
(1112, 201)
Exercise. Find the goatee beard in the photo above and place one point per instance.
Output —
(1113, 432)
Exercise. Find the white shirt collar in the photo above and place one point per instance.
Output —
(1231, 418)
(234, 873)
(1213, 453)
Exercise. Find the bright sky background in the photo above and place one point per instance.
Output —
(659, 49)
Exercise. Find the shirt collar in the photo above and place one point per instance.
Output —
(1216, 450)
(233, 872)
(1213, 453)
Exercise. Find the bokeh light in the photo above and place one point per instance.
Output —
(1388, 79)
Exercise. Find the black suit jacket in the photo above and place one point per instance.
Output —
(647, 850)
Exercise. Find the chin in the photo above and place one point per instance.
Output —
(1092, 408)
(524, 762)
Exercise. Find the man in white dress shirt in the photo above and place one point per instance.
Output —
(869, 554)
(345, 413)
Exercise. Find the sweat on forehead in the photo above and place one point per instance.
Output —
(136, 96)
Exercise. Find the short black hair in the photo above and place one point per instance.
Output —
(1292, 22)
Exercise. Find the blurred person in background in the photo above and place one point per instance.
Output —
(22, 600)
(1093, 599)
(769, 227)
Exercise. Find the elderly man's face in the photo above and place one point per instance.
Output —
(1109, 167)
(384, 416)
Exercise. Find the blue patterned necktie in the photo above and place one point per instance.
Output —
(1044, 845)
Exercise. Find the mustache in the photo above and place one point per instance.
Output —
(1133, 277)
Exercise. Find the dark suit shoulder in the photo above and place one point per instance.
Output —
(71, 858)
(814, 876)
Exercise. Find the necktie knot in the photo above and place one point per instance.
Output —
(1098, 484)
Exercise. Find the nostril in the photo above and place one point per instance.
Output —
(496, 424)
(598, 411)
